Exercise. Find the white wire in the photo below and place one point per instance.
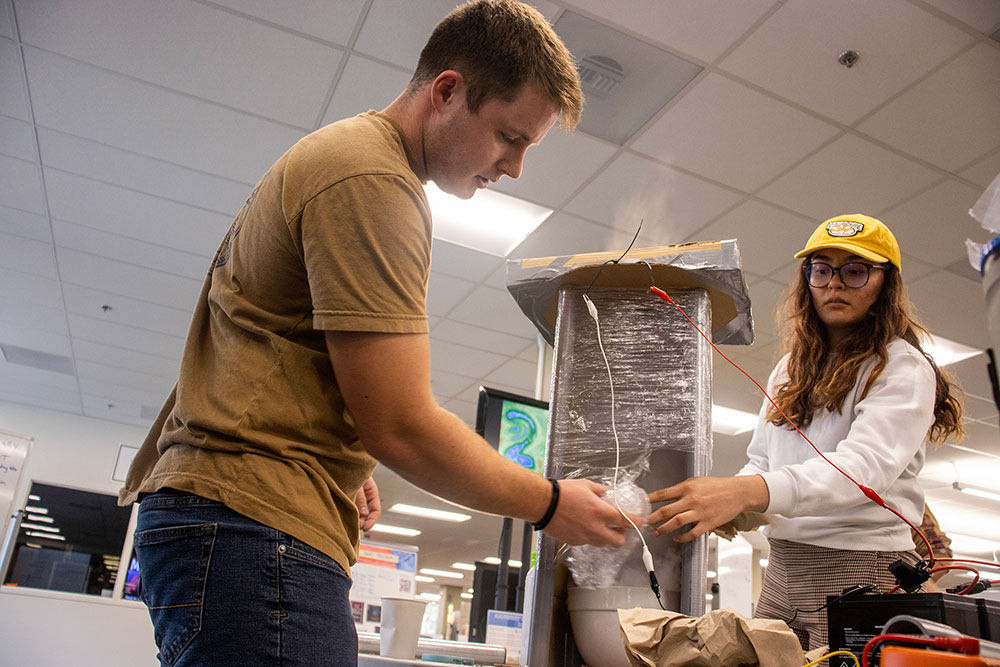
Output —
(614, 428)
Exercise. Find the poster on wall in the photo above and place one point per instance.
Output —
(14, 451)
(382, 569)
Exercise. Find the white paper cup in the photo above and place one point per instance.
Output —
(401, 619)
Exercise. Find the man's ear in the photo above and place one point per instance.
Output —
(447, 88)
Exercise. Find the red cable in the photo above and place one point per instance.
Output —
(963, 644)
(869, 493)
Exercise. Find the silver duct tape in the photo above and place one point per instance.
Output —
(481, 654)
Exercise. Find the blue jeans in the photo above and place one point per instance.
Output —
(225, 590)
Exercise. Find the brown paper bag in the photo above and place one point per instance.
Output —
(720, 638)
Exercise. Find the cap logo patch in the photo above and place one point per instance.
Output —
(842, 228)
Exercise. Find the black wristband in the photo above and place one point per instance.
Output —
(553, 502)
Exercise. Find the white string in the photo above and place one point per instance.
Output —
(614, 428)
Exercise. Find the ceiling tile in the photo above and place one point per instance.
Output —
(733, 134)
(703, 29)
(951, 307)
(396, 30)
(478, 337)
(461, 360)
(983, 15)
(138, 172)
(134, 215)
(21, 185)
(949, 118)
(25, 224)
(850, 175)
(934, 225)
(447, 385)
(461, 262)
(17, 139)
(31, 315)
(51, 340)
(445, 292)
(33, 257)
(672, 203)
(130, 312)
(16, 375)
(330, 21)
(494, 309)
(765, 236)
(984, 171)
(564, 234)
(555, 168)
(27, 394)
(241, 63)
(642, 77)
(765, 299)
(464, 410)
(794, 53)
(14, 101)
(155, 385)
(130, 338)
(365, 84)
(20, 286)
(114, 246)
(122, 408)
(78, 268)
(517, 374)
(152, 396)
(78, 99)
(129, 360)
(6, 22)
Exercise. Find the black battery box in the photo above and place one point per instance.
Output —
(854, 619)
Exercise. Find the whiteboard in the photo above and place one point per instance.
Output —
(14, 450)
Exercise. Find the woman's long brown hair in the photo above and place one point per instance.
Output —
(821, 376)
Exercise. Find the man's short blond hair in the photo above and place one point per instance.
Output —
(498, 46)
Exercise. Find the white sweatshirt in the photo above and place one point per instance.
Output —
(878, 440)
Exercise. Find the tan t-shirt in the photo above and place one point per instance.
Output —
(336, 236)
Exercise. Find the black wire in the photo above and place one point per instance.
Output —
(853, 590)
(615, 261)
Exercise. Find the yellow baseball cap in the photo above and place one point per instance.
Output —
(860, 234)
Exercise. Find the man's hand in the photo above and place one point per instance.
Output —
(582, 517)
(706, 502)
(369, 505)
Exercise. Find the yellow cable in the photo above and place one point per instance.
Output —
(830, 655)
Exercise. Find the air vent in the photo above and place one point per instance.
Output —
(45, 361)
(600, 75)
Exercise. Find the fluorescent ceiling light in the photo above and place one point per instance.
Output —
(493, 560)
(47, 529)
(35, 510)
(34, 497)
(394, 530)
(433, 597)
(946, 351)
(968, 543)
(490, 221)
(464, 566)
(428, 513)
(467, 596)
(442, 573)
(47, 536)
(979, 493)
(423, 579)
(732, 422)
(40, 518)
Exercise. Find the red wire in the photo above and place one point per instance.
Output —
(963, 644)
(869, 493)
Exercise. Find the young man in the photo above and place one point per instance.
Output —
(308, 360)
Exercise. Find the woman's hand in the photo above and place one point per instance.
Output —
(369, 505)
(706, 502)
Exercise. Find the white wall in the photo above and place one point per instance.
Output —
(49, 628)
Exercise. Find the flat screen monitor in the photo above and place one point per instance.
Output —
(516, 425)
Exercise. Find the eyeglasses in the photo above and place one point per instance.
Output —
(852, 274)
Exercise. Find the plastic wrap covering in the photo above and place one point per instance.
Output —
(598, 567)
(712, 265)
(661, 369)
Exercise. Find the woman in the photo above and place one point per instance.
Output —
(857, 383)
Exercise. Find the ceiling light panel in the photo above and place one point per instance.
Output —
(428, 513)
(626, 81)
